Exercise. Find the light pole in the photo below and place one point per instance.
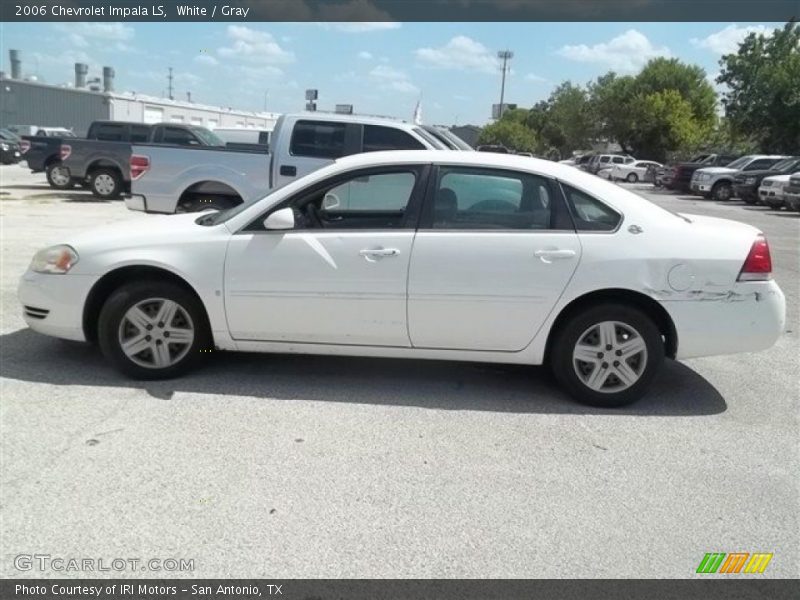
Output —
(505, 56)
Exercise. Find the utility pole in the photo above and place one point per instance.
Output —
(169, 80)
(505, 56)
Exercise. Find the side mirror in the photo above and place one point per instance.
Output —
(280, 219)
(330, 201)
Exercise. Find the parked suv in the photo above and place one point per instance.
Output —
(746, 184)
(791, 193)
(717, 182)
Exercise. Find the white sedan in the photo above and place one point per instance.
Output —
(420, 254)
(632, 172)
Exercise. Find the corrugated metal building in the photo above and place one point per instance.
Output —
(24, 102)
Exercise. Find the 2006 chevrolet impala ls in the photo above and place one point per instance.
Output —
(420, 254)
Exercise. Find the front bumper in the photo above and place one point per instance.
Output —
(53, 304)
(700, 188)
(745, 191)
(748, 318)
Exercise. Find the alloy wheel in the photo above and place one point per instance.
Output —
(609, 357)
(156, 333)
(104, 184)
(60, 176)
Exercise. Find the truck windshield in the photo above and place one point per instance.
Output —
(209, 137)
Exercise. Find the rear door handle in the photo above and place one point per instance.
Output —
(551, 255)
(373, 254)
(288, 171)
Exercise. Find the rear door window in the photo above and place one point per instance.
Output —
(318, 139)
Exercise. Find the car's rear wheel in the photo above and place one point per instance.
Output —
(632, 178)
(153, 329)
(607, 356)
(58, 176)
(106, 183)
(722, 191)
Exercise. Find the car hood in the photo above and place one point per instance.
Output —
(778, 178)
(144, 229)
(716, 170)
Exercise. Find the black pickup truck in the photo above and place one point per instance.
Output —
(679, 176)
(101, 161)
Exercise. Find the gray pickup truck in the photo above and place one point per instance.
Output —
(168, 179)
(101, 161)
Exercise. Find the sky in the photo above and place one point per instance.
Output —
(380, 68)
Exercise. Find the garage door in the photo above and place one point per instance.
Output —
(153, 114)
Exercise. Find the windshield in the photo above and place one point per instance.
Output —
(9, 135)
(460, 144)
(430, 139)
(209, 137)
(441, 137)
(785, 164)
(739, 162)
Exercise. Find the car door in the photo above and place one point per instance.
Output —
(493, 254)
(338, 277)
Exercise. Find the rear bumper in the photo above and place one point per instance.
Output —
(136, 202)
(53, 304)
(748, 318)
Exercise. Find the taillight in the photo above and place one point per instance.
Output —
(758, 264)
(65, 151)
(139, 165)
(24, 146)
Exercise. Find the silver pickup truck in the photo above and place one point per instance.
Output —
(168, 180)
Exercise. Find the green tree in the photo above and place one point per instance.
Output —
(662, 123)
(510, 133)
(763, 97)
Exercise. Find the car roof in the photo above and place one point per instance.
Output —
(363, 119)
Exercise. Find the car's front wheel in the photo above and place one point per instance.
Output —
(632, 178)
(607, 355)
(153, 329)
(722, 191)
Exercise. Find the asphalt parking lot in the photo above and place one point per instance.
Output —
(324, 467)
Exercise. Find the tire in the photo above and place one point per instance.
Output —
(750, 200)
(722, 191)
(775, 205)
(585, 328)
(632, 178)
(58, 176)
(205, 202)
(106, 183)
(120, 321)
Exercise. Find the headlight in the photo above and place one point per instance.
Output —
(750, 180)
(704, 177)
(56, 259)
(4, 147)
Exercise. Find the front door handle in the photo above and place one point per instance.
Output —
(288, 171)
(548, 256)
(373, 254)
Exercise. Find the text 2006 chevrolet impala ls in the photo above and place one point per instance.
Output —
(420, 254)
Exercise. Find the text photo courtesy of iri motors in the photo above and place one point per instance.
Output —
(358, 299)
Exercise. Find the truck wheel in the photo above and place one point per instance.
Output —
(58, 176)
(205, 202)
(722, 191)
(106, 183)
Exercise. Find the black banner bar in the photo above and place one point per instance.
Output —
(399, 10)
(741, 587)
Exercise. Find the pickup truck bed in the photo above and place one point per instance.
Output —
(196, 177)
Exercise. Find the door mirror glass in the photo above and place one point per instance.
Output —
(280, 219)
(330, 201)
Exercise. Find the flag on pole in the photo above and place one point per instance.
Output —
(418, 113)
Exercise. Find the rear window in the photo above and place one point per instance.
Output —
(377, 138)
(110, 132)
(589, 213)
(140, 133)
(318, 139)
